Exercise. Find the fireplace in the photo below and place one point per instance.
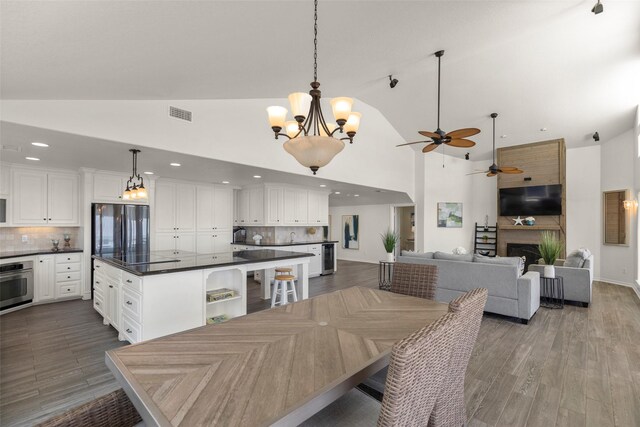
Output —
(527, 250)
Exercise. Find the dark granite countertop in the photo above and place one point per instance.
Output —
(286, 244)
(33, 252)
(162, 262)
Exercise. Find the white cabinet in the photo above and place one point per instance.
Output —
(214, 208)
(40, 198)
(45, 278)
(175, 207)
(186, 242)
(185, 207)
(295, 206)
(29, 197)
(213, 242)
(113, 304)
(68, 279)
(5, 180)
(175, 241)
(251, 206)
(108, 188)
(62, 199)
(318, 208)
(315, 263)
(274, 206)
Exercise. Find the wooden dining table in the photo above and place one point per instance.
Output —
(273, 367)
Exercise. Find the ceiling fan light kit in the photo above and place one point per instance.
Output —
(311, 139)
(456, 138)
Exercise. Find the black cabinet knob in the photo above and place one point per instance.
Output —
(129, 331)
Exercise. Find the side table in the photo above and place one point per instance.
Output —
(385, 273)
(552, 292)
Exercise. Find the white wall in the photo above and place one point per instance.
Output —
(584, 208)
(374, 220)
(438, 184)
(618, 158)
(230, 130)
(484, 194)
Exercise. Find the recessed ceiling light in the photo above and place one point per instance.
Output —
(148, 173)
(225, 182)
(39, 144)
(35, 159)
(175, 164)
(323, 185)
(257, 176)
(337, 192)
(356, 195)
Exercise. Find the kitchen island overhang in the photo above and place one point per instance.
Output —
(154, 295)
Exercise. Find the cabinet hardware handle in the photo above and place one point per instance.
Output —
(68, 277)
(97, 282)
(68, 259)
(40, 260)
(97, 303)
(97, 266)
(129, 281)
(129, 331)
(111, 286)
(44, 219)
(68, 268)
(129, 303)
(49, 219)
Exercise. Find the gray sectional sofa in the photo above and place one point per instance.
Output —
(509, 294)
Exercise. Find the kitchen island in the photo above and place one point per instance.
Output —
(145, 296)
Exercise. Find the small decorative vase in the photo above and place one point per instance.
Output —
(55, 243)
(390, 257)
(67, 241)
(549, 271)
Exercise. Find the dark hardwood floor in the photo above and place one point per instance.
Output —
(576, 366)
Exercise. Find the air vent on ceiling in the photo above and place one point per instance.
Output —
(179, 113)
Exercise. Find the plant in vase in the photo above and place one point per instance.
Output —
(390, 240)
(550, 248)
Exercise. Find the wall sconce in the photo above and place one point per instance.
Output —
(630, 204)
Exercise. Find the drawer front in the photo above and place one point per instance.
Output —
(98, 302)
(68, 289)
(67, 267)
(67, 277)
(99, 282)
(132, 281)
(132, 304)
(131, 329)
(61, 259)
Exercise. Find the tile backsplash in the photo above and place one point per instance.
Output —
(272, 235)
(11, 238)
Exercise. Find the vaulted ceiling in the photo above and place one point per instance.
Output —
(540, 64)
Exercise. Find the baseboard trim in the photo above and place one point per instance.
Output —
(635, 286)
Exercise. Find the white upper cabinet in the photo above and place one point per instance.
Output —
(296, 207)
(274, 206)
(5, 179)
(165, 206)
(108, 187)
(185, 207)
(256, 206)
(222, 208)
(214, 208)
(40, 198)
(318, 213)
(244, 204)
(62, 200)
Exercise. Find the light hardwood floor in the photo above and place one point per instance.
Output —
(576, 366)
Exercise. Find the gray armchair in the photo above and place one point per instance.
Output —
(578, 282)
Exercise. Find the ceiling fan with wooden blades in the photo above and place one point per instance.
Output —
(495, 169)
(456, 138)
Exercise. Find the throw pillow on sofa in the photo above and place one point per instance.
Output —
(452, 257)
(577, 258)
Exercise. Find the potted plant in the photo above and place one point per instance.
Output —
(550, 248)
(390, 240)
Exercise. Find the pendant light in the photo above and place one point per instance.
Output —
(135, 184)
(310, 138)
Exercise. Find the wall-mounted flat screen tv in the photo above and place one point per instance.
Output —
(537, 200)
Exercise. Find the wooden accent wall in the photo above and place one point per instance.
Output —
(545, 163)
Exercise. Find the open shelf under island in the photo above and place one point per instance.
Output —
(145, 296)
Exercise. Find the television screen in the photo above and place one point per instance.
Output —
(538, 200)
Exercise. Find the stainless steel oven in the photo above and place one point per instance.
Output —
(16, 284)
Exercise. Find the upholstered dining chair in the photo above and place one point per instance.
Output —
(113, 409)
(449, 409)
(416, 280)
(417, 370)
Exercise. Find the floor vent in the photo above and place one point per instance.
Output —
(179, 113)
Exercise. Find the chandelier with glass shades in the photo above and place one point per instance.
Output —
(135, 184)
(311, 139)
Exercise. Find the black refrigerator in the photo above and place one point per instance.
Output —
(120, 230)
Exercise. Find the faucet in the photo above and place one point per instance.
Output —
(292, 236)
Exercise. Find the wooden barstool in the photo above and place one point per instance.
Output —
(283, 285)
